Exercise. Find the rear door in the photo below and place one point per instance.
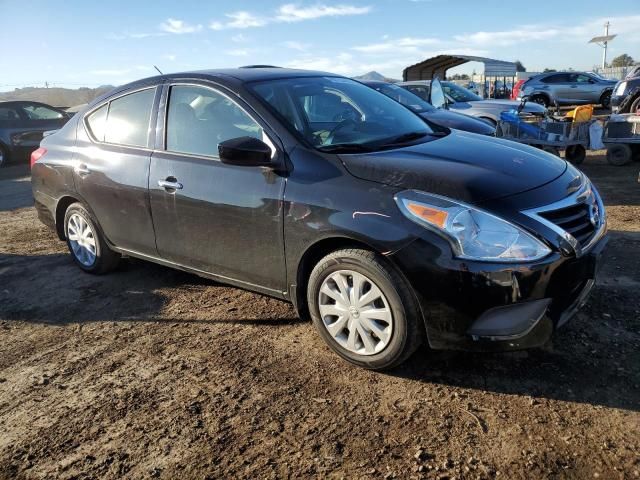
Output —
(111, 168)
(559, 87)
(217, 218)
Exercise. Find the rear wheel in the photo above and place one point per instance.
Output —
(363, 309)
(605, 100)
(619, 154)
(86, 243)
(575, 154)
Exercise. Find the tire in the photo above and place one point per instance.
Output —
(540, 100)
(635, 106)
(575, 154)
(90, 251)
(619, 154)
(605, 99)
(4, 156)
(398, 336)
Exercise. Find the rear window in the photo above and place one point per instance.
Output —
(97, 121)
(128, 119)
(558, 78)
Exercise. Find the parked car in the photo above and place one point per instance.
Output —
(22, 124)
(626, 93)
(314, 188)
(427, 111)
(568, 88)
(461, 100)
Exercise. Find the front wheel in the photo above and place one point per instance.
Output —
(605, 100)
(86, 243)
(364, 309)
(619, 154)
(575, 154)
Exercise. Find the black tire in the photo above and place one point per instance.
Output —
(575, 154)
(635, 106)
(4, 155)
(408, 328)
(106, 259)
(605, 99)
(540, 100)
(619, 154)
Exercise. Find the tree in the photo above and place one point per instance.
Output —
(547, 70)
(519, 66)
(623, 60)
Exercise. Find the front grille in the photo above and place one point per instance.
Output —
(575, 220)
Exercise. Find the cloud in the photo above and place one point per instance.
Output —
(238, 52)
(401, 45)
(171, 57)
(119, 72)
(239, 38)
(509, 37)
(293, 13)
(287, 13)
(299, 46)
(171, 25)
(240, 19)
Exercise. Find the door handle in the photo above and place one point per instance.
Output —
(170, 184)
(82, 169)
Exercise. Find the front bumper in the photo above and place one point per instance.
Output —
(616, 100)
(496, 307)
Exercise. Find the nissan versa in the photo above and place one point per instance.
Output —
(314, 188)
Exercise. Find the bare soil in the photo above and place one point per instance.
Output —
(154, 373)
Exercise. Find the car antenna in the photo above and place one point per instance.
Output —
(158, 70)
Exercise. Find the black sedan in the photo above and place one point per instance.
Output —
(316, 189)
(22, 124)
(444, 118)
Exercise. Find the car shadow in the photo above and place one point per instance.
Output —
(49, 289)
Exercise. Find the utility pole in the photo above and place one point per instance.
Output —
(604, 42)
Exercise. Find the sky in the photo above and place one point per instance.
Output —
(89, 43)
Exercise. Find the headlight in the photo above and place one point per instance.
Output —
(622, 86)
(472, 233)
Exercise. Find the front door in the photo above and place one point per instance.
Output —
(217, 218)
(111, 168)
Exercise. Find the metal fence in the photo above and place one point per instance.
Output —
(614, 73)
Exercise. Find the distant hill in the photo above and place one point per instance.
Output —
(376, 76)
(58, 97)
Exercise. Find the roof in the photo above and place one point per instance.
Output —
(438, 66)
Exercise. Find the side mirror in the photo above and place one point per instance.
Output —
(245, 151)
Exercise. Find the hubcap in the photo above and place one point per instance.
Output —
(82, 240)
(355, 312)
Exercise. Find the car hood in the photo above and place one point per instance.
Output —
(463, 166)
(529, 107)
(459, 121)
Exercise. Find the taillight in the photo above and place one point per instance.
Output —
(37, 155)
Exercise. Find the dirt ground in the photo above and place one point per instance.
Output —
(154, 373)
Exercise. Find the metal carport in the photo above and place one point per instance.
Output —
(439, 65)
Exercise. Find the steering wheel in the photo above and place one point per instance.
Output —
(344, 123)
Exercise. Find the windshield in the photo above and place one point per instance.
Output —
(335, 113)
(405, 97)
(458, 93)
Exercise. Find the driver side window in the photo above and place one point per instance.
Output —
(199, 118)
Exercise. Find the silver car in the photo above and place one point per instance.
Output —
(461, 100)
(568, 88)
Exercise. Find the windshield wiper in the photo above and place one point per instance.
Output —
(407, 137)
(345, 147)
